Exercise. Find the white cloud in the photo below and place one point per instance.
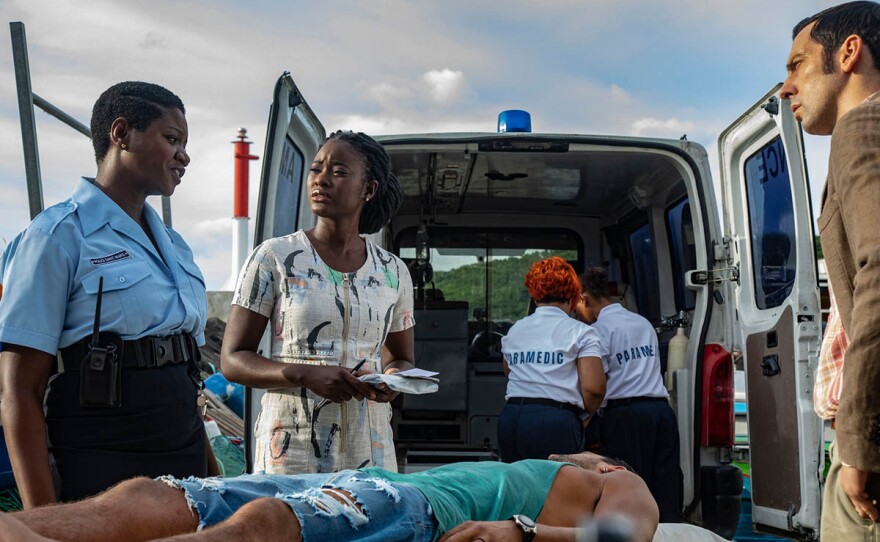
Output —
(213, 227)
(620, 96)
(387, 93)
(382, 124)
(395, 95)
(671, 128)
(383, 67)
(444, 85)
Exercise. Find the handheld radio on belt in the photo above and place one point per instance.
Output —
(100, 382)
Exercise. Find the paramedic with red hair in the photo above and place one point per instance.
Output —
(554, 369)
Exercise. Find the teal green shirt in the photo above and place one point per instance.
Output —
(481, 491)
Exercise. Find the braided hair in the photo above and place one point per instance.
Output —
(382, 207)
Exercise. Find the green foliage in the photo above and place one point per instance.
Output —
(509, 297)
(10, 500)
(819, 255)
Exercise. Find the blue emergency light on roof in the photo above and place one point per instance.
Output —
(514, 120)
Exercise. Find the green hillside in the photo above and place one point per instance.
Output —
(509, 297)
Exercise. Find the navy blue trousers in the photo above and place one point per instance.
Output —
(536, 431)
(645, 435)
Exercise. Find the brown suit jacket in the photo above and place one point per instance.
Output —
(849, 229)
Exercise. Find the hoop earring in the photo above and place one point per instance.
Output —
(123, 146)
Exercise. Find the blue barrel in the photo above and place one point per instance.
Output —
(231, 393)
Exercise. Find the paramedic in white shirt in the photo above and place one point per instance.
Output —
(636, 423)
(554, 370)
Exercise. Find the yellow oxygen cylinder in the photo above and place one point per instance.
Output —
(676, 356)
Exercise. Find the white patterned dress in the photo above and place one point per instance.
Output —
(320, 316)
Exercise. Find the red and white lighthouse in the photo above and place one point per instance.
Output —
(240, 245)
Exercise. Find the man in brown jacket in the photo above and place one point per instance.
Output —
(833, 83)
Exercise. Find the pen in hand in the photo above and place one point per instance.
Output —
(354, 370)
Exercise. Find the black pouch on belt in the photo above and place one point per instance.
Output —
(100, 377)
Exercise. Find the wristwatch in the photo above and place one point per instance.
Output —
(527, 526)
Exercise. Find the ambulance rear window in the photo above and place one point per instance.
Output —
(771, 223)
(644, 262)
(683, 249)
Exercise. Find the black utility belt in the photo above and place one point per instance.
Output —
(632, 400)
(100, 361)
(146, 352)
(545, 402)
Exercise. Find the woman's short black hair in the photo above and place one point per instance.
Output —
(594, 281)
(137, 102)
(386, 201)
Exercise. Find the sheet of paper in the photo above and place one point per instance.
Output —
(417, 373)
(403, 384)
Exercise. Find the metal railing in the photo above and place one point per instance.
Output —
(27, 99)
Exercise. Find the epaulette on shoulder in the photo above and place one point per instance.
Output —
(51, 217)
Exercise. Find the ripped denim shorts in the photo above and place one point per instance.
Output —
(380, 511)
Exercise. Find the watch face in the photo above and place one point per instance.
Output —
(524, 521)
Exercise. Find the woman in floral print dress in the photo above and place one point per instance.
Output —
(334, 299)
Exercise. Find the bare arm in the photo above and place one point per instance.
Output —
(240, 362)
(505, 366)
(213, 466)
(24, 374)
(625, 494)
(591, 380)
(398, 354)
(618, 494)
(402, 351)
(506, 531)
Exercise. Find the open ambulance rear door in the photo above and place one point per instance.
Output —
(768, 216)
(292, 140)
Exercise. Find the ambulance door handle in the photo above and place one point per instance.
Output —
(770, 365)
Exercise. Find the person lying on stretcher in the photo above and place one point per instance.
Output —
(541, 500)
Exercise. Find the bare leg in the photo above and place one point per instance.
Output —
(12, 530)
(262, 520)
(135, 510)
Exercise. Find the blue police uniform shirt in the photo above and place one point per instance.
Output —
(629, 354)
(5, 258)
(542, 351)
(50, 276)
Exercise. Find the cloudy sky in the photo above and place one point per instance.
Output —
(627, 67)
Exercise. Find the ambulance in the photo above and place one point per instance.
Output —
(742, 282)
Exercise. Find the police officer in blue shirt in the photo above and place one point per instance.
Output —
(121, 403)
